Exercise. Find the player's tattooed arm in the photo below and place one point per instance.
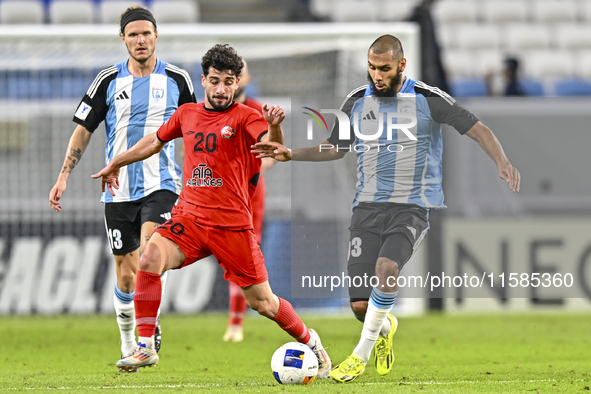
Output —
(76, 147)
(72, 159)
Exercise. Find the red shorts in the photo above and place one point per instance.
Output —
(236, 251)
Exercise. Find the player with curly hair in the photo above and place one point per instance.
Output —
(214, 213)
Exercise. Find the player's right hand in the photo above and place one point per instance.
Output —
(110, 177)
(271, 149)
(56, 194)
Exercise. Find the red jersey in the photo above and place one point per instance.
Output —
(220, 173)
(258, 199)
(252, 103)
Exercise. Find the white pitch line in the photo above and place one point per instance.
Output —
(201, 386)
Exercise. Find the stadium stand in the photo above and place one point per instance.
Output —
(110, 10)
(469, 88)
(585, 10)
(22, 11)
(321, 9)
(484, 31)
(520, 37)
(473, 36)
(572, 88)
(355, 11)
(182, 11)
(504, 11)
(554, 11)
(544, 64)
(447, 37)
(455, 11)
(399, 13)
(71, 12)
(459, 63)
(583, 64)
(488, 61)
(573, 37)
(532, 87)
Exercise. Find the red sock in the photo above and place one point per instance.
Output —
(290, 322)
(148, 294)
(237, 305)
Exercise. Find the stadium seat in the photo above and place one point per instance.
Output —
(181, 11)
(355, 11)
(469, 88)
(321, 8)
(477, 36)
(519, 37)
(398, 11)
(21, 11)
(583, 64)
(548, 64)
(553, 11)
(572, 88)
(458, 63)
(71, 12)
(532, 87)
(110, 10)
(573, 37)
(585, 10)
(16, 84)
(455, 11)
(488, 61)
(447, 35)
(503, 11)
(44, 84)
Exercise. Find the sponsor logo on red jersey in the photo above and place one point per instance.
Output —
(227, 132)
(203, 177)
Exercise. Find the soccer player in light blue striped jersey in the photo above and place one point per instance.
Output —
(399, 174)
(134, 98)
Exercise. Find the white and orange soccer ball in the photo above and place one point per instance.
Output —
(294, 363)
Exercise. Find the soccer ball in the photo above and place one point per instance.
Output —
(294, 363)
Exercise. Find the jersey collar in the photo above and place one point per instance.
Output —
(125, 71)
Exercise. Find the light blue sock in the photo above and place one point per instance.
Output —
(125, 310)
(378, 307)
(125, 298)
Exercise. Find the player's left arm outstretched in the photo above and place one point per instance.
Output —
(491, 145)
(146, 147)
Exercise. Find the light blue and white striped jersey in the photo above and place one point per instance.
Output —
(133, 108)
(401, 169)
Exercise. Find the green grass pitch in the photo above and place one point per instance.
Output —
(531, 353)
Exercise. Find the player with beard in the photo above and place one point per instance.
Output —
(134, 98)
(399, 180)
(214, 213)
(238, 305)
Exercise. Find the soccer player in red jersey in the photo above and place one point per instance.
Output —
(214, 214)
(238, 303)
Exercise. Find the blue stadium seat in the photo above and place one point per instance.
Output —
(44, 84)
(469, 88)
(532, 87)
(75, 83)
(572, 88)
(18, 84)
